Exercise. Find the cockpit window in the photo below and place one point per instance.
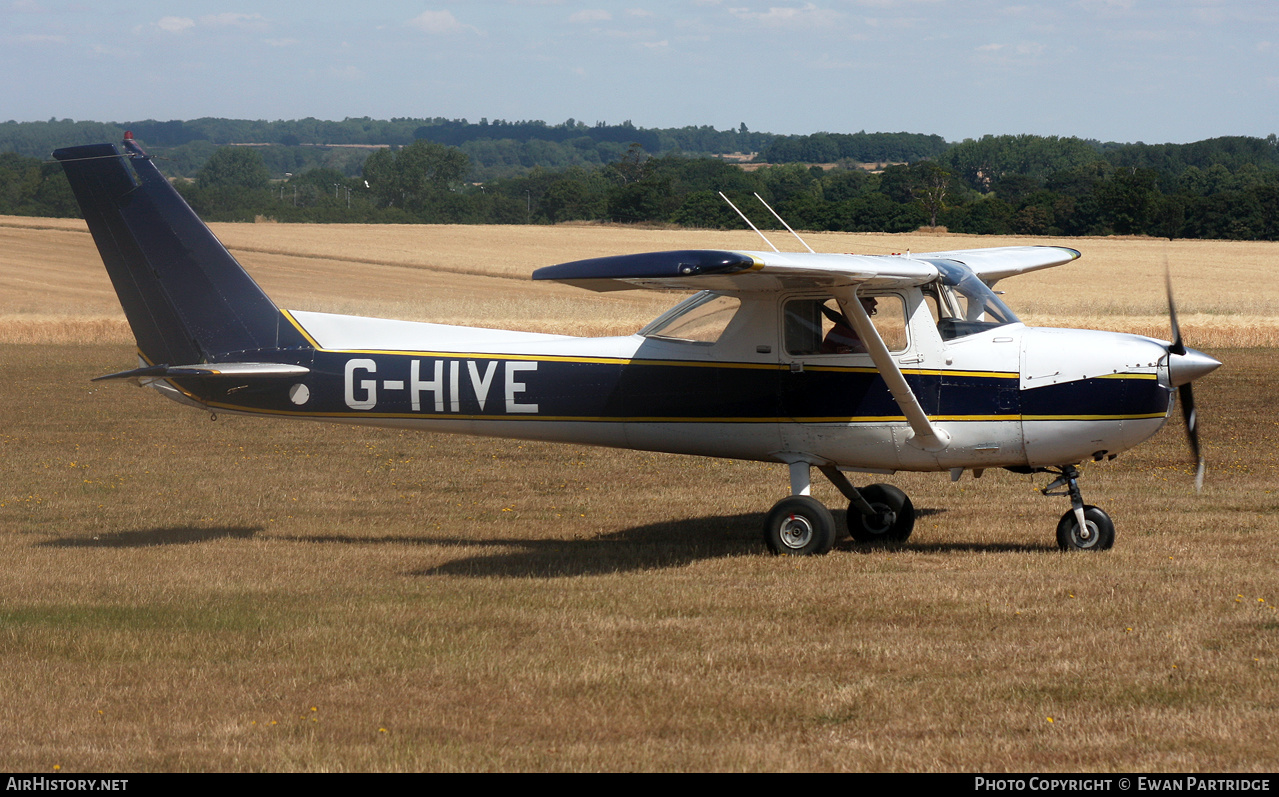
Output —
(962, 304)
(820, 325)
(701, 318)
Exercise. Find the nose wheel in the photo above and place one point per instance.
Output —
(1095, 533)
(1084, 527)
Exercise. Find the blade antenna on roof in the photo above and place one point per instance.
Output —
(748, 221)
(783, 221)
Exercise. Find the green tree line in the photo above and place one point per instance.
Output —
(1027, 185)
(427, 182)
(496, 149)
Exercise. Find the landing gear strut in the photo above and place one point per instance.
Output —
(801, 526)
(1084, 527)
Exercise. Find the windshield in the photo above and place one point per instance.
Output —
(964, 305)
(701, 318)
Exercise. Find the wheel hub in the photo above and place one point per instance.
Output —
(1087, 535)
(797, 531)
(881, 521)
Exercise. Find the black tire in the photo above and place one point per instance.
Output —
(893, 523)
(799, 526)
(1100, 534)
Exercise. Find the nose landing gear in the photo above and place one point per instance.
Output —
(1084, 527)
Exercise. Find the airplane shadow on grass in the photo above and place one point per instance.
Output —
(671, 543)
(666, 544)
(149, 538)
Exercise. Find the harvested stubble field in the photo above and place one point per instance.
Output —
(262, 595)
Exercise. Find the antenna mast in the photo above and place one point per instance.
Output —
(783, 221)
(748, 221)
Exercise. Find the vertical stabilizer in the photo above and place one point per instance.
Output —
(187, 299)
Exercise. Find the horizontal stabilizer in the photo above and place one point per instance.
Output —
(211, 371)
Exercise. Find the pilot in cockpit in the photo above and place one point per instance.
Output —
(842, 338)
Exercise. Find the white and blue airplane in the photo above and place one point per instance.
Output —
(844, 363)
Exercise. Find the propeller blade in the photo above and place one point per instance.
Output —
(1177, 346)
(1184, 366)
(1186, 396)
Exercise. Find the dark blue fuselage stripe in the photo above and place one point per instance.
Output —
(367, 384)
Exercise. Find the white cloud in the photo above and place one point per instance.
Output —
(235, 20)
(1107, 5)
(175, 24)
(590, 15)
(787, 16)
(892, 3)
(439, 22)
(42, 38)
(102, 51)
(1010, 53)
(280, 42)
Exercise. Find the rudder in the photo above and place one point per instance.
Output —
(186, 298)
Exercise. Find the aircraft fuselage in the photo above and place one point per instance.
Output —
(685, 397)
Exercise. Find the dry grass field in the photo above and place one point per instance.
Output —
(252, 594)
(53, 287)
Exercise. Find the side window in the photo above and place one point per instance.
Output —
(890, 320)
(819, 326)
(701, 319)
(803, 325)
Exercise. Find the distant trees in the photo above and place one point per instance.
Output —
(982, 162)
(231, 185)
(426, 182)
(860, 147)
(30, 187)
(1027, 185)
(239, 168)
(416, 176)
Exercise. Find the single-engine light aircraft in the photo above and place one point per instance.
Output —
(839, 362)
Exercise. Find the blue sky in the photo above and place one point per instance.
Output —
(1117, 70)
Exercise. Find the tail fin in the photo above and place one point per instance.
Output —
(186, 297)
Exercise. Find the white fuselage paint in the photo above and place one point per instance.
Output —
(453, 366)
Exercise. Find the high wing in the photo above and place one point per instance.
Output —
(995, 263)
(731, 271)
(843, 274)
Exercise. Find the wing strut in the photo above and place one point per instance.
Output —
(927, 436)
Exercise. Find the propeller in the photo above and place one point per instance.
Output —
(1184, 366)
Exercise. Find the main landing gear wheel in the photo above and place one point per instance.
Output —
(1098, 533)
(799, 526)
(893, 521)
